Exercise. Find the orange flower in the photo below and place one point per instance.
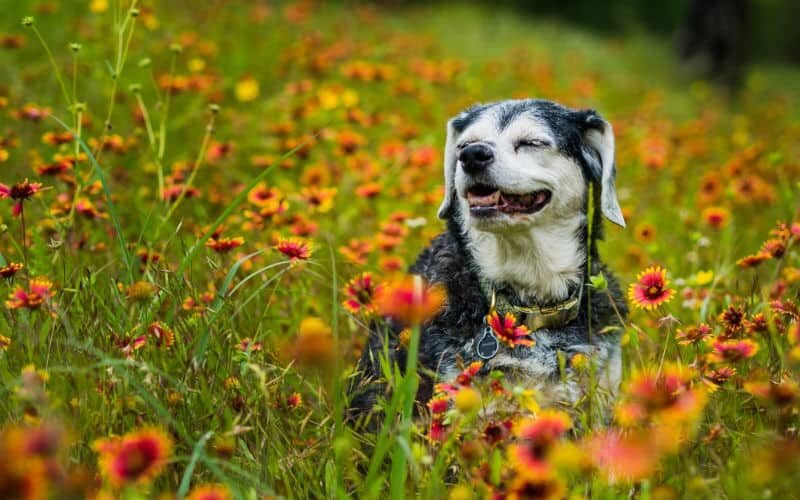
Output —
(224, 244)
(716, 217)
(650, 290)
(410, 300)
(360, 292)
(135, 458)
(507, 331)
(38, 292)
(731, 351)
(753, 260)
(294, 248)
(667, 396)
(622, 458)
(537, 436)
(294, 400)
(210, 492)
(318, 199)
(540, 487)
(164, 336)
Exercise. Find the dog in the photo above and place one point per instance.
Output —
(521, 228)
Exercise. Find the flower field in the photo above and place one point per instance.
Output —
(203, 209)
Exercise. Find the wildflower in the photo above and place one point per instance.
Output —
(247, 345)
(319, 199)
(38, 292)
(294, 400)
(369, 190)
(720, 375)
(409, 300)
(621, 457)
(495, 432)
(465, 377)
(5, 343)
(753, 260)
(357, 251)
(135, 458)
(645, 232)
(716, 217)
(210, 492)
(314, 343)
(507, 331)
(295, 249)
(783, 393)
(360, 292)
(731, 351)
(544, 487)
(437, 431)
(262, 196)
(650, 290)
(19, 192)
(710, 187)
(467, 400)
(756, 325)
(224, 244)
(164, 336)
(247, 89)
(438, 404)
(10, 269)
(693, 335)
(140, 291)
(536, 438)
(666, 396)
(732, 320)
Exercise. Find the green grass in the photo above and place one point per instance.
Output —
(224, 407)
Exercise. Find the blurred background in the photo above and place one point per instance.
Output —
(716, 37)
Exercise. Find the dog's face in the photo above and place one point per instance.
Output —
(514, 165)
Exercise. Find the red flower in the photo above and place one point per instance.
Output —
(294, 400)
(39, 290)
(507, 331)
(466, 376)
(650, 289)
(360, 292)
(10, 269)
(294, 248)
(135, 458)
(224, 244)
(409, 300)
(20, 192)
(732, 351)
(536, 439)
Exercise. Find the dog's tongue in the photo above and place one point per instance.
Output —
(488, 200)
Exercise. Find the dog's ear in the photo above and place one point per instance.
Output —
(450, 161)
(598, 138)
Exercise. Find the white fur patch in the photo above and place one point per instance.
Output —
(538, 254)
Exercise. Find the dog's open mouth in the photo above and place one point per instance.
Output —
(488, 200)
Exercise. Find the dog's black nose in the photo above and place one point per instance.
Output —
(475, 158)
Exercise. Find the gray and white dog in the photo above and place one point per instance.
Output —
(518, 176)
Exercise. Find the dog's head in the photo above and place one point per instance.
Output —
(514, 165)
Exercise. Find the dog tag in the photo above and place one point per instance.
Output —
(487, 345)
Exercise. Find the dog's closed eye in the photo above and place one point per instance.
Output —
(531, 143)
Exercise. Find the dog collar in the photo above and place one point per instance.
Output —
(534, 317)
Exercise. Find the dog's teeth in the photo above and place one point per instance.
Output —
(540, 197)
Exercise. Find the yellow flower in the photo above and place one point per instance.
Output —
(196, 65)
(703, 277)
(247, 90)
(467, 400)
(98, 6)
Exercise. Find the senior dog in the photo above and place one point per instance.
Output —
(527, 183)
